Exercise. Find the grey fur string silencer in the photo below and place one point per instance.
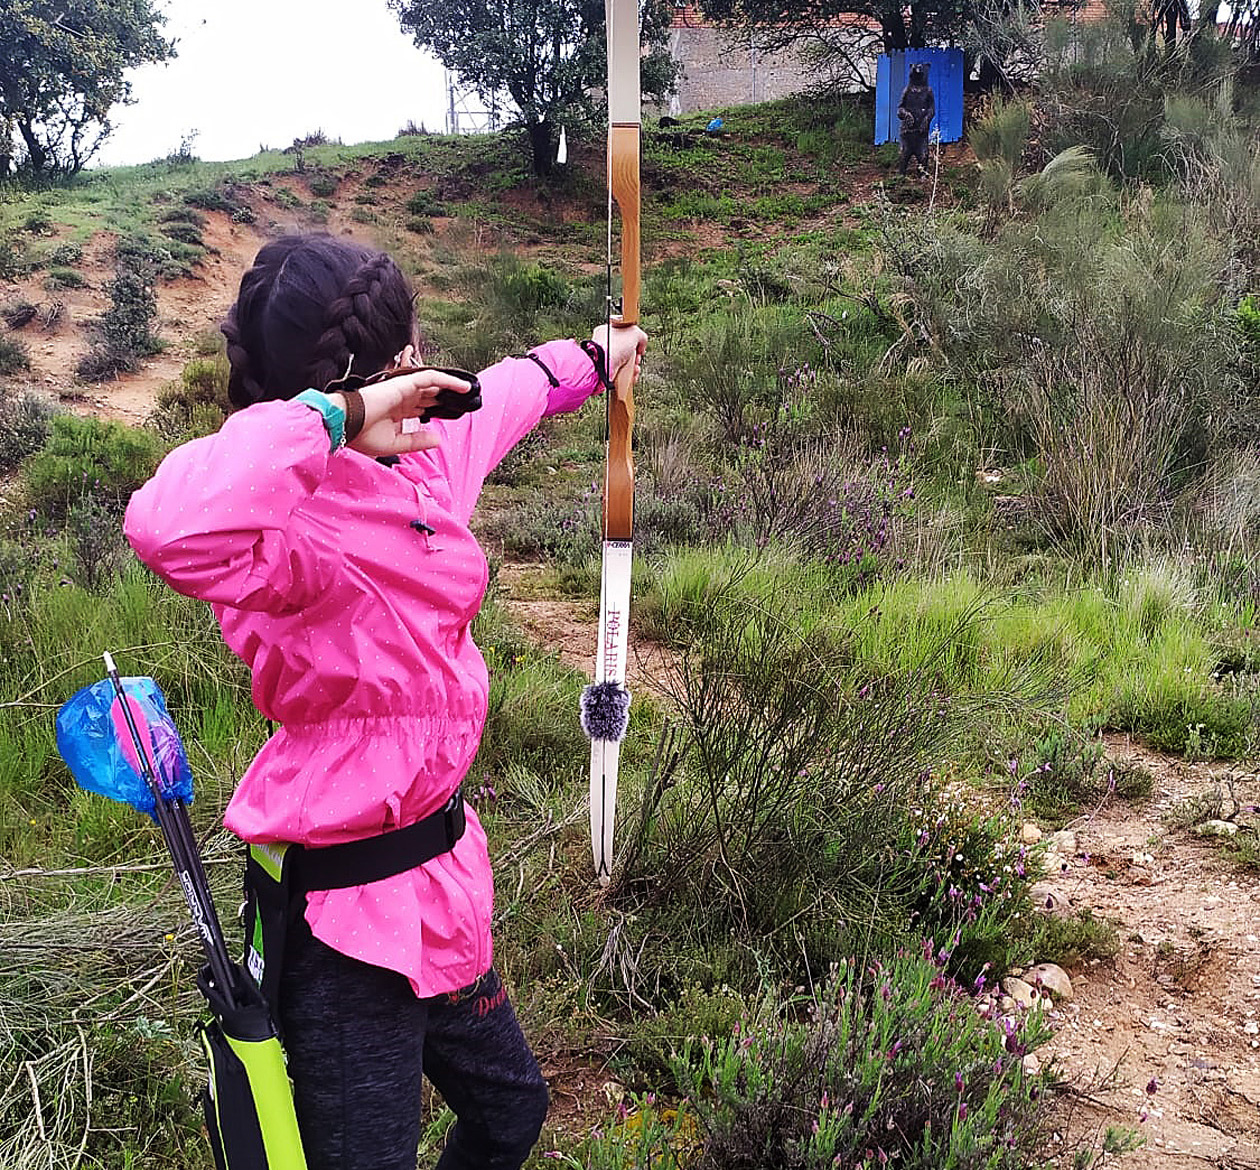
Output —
(605, 711)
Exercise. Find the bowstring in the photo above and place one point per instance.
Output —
(609, 17)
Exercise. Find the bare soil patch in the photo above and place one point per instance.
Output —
(187, 307)
(1164, 1039)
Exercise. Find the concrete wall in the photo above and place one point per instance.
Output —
(717, 72)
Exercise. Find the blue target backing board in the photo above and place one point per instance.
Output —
(945, 76)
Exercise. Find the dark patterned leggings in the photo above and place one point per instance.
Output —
(359, 1042)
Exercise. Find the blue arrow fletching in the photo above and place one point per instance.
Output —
(93, 739)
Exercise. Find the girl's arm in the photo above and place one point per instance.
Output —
(515, 394)
(216, 521)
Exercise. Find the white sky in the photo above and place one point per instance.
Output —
(263, 72)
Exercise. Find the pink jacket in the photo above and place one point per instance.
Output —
(355, 627)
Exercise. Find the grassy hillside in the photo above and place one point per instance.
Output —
(940, 479)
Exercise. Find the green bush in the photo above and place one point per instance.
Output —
(88, 455)
(198, 403)
(182, 215)
(14, 356)
(420, 224)
(59, 278)
(1249, 318)
(124, 332)
(806, 785)
(38, 222)
(184, 232)
(66, 253)
(886, 1063)
(16, 259)
(322, 185)
(25, 424)
(425, 203)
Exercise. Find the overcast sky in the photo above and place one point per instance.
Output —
(263, 72)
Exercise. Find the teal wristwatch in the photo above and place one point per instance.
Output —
(334, 417)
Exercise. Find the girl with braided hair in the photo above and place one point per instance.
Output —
(329, 532)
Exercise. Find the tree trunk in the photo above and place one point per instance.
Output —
(893, 25)
(36, 155)
(542, 147)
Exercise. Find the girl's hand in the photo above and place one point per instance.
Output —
(392, 410)
(625, 345)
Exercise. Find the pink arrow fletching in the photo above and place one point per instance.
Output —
(125, 740)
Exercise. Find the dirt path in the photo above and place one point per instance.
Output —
(1171, 1025)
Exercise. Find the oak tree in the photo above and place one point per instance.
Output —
(63, 68)
(547, 56)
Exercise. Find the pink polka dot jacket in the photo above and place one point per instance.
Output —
(354, 622)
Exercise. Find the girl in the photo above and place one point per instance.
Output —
(347, 583)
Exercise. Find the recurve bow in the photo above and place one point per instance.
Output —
(606, 703)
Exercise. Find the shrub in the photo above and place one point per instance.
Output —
(18, 311)
(793, 799)
(182, 215)
(1106, 346)
(59, 278)
(98, 549)
(322, 185)
(425, 203)
(66, 253)
(884, 1063)
(198, 403)
(124, 332)
(15, 260)
(25, 424)
(421, 225)
(37, 222)
(183, 231)
(221, 198)
(86, 455)
(14, 356)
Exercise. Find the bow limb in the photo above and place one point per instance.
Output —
(624, 118)
(605, 704)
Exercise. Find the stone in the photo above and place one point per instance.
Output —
(1024, 994)
(1046, 899)
(1063, 842)
(1030, 834)
(1032, 1066)
(1216, 829)
(1052, 979)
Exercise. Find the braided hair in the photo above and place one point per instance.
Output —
(307, 307)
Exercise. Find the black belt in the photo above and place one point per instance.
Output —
(371, 859)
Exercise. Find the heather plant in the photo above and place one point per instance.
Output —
(25, 424)
(98, 550)
(89, 455)
(124, 333)
(886, 1062)
(14, 356)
